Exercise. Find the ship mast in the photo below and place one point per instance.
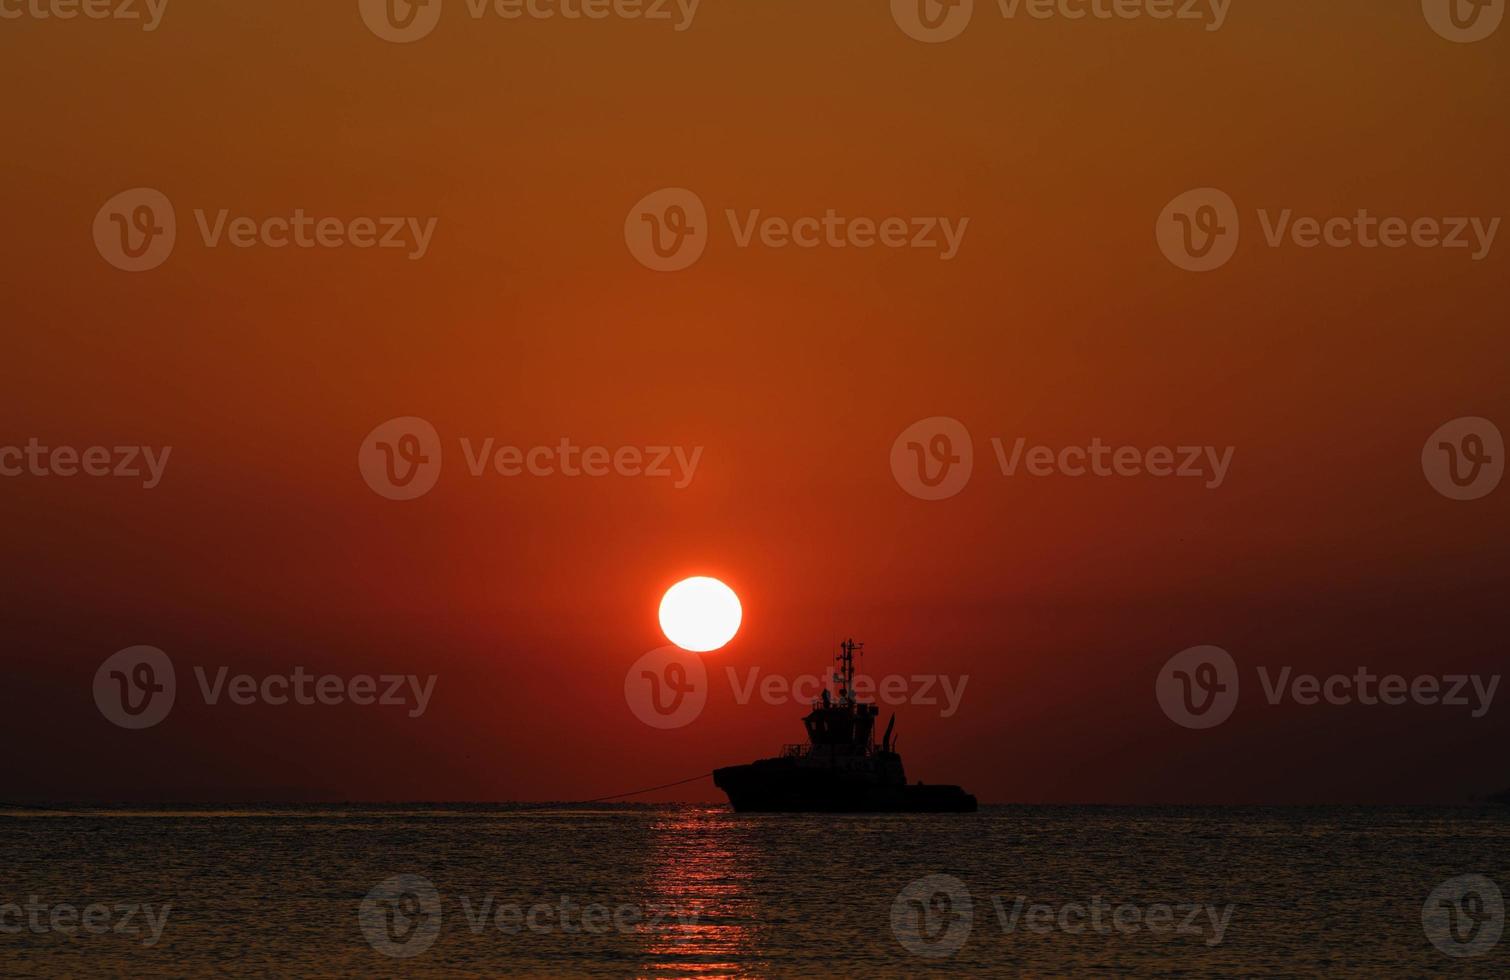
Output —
(846, 660)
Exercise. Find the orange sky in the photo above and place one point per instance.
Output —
(529, 320)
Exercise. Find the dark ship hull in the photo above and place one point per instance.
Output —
(785, 786)
(841, 768)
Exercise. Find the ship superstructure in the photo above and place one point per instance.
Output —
(841, 767)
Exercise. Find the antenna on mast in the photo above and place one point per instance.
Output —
(847, 662)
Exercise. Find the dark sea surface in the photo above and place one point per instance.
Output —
(697, 891)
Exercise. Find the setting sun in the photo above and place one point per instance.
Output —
(700, 614)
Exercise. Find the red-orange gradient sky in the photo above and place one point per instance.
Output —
(794, 369)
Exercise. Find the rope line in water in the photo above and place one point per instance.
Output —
(648, 789)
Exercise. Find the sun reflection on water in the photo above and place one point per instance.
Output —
(701, 869)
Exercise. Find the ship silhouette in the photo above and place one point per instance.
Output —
(841, 768)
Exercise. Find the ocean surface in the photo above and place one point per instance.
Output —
(697, 891)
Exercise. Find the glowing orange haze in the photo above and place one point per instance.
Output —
(528, 320)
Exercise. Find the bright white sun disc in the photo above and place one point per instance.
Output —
(700, 614)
